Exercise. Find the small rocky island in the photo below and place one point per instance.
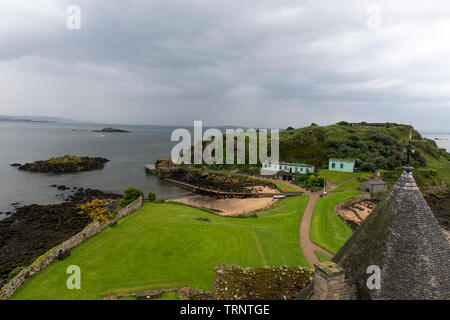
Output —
(65, 164)
(111, 130)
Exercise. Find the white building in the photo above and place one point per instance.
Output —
(268, 168)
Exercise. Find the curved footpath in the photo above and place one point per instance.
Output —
(307, 246)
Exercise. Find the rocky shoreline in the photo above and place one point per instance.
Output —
(33, 230)
(221, 182)
(64, 164)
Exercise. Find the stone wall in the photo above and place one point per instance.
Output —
(348, 203)
(329, 282)
(263, 283)
(63, 250)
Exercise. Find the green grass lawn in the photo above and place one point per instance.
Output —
(349, 186)
(321, 256)
(328, 230)
(337, 177)
(163, 246)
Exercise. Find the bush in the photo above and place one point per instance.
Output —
(100, 210)
(151, 196)
(131, 195)
(311, 181)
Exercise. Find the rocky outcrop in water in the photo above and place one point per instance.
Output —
(33, 230)
(221, 182)
(65, 164)
(111, 130)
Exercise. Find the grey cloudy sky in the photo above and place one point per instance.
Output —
(252, 63)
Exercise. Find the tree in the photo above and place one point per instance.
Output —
(151, 196)
(131, 195)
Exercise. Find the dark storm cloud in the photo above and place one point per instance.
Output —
(253, 63)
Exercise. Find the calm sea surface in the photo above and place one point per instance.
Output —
(127, 152)
(443, 142)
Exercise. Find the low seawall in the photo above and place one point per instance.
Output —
(63, 249)
(348, 203)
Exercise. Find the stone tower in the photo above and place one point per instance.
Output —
(403, 238)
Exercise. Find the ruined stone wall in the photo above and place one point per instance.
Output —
(63, 249)
(348, 203)
(263, 283)
(329, 281)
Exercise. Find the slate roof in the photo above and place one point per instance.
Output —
(404, 239)
(375, 182)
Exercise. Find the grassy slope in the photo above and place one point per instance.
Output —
(349, 186)
(321, 256)
(328, 230)
(442, 166)
(307, 144)
(162, 245)
(336, 177)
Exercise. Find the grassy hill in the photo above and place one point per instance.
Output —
(372, 148)
(164, 245)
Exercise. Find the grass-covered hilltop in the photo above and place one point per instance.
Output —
(381, 147)
(373, 148)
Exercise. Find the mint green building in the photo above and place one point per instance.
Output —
(344, 165)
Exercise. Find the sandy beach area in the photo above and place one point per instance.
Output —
(229, 207)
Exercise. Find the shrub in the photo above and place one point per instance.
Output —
(131, 194)
(343, 123)
(151, 196)
(311, 181)
(98, 209)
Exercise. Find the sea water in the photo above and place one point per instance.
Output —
(22, 142)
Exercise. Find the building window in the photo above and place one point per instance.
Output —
(342, 166)
(333, 165)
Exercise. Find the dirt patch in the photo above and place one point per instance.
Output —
(356, 213)
(229, 206)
